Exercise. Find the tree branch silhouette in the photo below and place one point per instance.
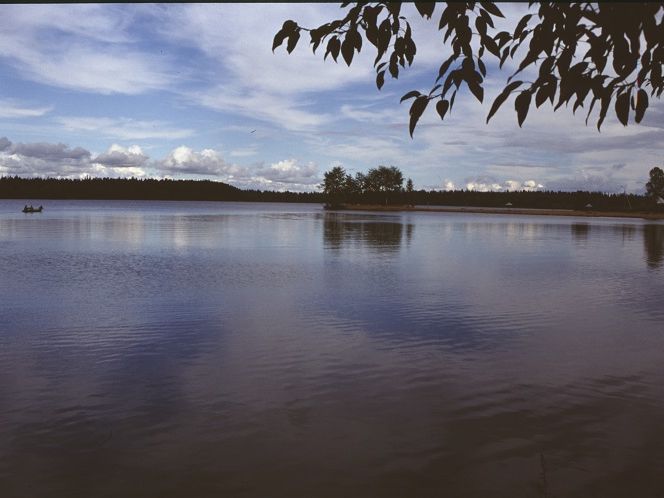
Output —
(598, 53)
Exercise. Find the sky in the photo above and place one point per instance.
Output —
(194, 91)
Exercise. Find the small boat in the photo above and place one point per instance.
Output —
(30, 209)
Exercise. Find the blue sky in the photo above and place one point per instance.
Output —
(176, 91)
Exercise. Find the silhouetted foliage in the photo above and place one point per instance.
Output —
(148, 189)
(378, 184)
(29, 189)
(336, 185)
(571, 43)
(655, 187)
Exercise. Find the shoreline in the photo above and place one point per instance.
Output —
(506, 210)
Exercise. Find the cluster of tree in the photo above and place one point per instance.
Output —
(15, 187)
(655, 187)
(578, 52)
(381, 185)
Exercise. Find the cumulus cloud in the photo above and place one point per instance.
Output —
(289, 171)
(487, 184)
(50, 152)
(121, 157)
(208, 162)
(62, 161)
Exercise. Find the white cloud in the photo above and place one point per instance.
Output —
(289, 171)
(12, 109)
(185, 161)
(54, 45)
(130, 158)
(485, 184)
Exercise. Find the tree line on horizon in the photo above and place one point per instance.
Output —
(374, 189)
(384, 185)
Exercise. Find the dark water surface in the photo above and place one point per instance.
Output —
(161, 349)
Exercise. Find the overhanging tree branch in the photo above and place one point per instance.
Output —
(626, 34)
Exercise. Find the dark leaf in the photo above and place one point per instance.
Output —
(333, 47)
(491, 8)
(286, 30)
(292, 41)
(500, 99)
(384, 35)
(370, 15)
(316, 37)
(278, 39)
(416, 111)
(590, 110)
(521, 104)
(445, 66)
(641, 104)
(503, 57)
(606, 100)
(541, 95)
(491, 46)
(482, 67)
(480, 24)
(410, 95)
(468, 67)
(441, 107)
(656, 75)
(622, 107)
(487, 17)
(521, 26)
(410, 50)
(527, 61)
(502, 38)
(547, 66)
(357, 40)
(380, 79)
(477, 89)
(347, 50)
(425, 8)
(393, 67)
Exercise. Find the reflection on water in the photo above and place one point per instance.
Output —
(653, 241)
(342, 230)
(580, 231)
(203, 349)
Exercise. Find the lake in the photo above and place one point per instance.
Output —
(195, 349)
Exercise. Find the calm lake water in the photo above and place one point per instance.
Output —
(162, 349)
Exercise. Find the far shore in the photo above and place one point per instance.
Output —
(506, 210)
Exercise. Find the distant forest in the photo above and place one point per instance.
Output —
(29, 189)
(141, 189)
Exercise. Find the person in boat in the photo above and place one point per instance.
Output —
(25, 208)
